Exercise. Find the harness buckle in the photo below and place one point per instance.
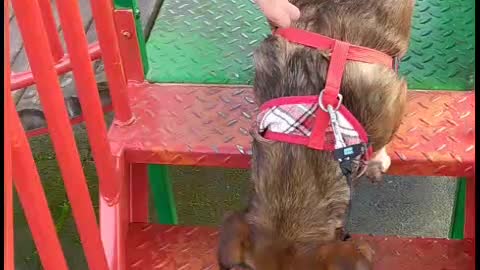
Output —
(320, 102)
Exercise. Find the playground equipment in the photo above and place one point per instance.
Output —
(193, 123)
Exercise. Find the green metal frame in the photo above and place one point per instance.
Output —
(458, 215)
(160, 182)
(162, 193)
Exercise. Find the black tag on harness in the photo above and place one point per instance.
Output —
(345, 156)
(349, 152)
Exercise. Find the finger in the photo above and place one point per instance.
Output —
(293, 12)
(280, 19)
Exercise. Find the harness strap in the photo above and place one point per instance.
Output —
(338, 59)
(317, 41)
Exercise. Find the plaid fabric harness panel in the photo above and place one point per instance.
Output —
(297, 120)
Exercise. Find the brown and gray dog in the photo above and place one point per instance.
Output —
(299, 200)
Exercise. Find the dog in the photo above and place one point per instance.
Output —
(299, 198)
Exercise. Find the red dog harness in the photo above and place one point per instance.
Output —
(321, 122)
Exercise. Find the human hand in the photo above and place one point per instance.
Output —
(281, 13)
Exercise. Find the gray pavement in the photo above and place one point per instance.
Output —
(407, 206)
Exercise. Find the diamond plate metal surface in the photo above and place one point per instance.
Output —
(211, 41)
(205, 41)
(437, 135)
(442, 46)
(208, 126)
(194, 248)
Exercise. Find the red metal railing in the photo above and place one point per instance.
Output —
(39, 32)
(51, 28)
(31, 194)
(114, 69)
(7, 153)
(24, 79)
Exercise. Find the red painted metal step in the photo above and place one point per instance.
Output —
(194, 248)
(208, 126)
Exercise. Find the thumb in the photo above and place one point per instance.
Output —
(282, 19)
(293, 12)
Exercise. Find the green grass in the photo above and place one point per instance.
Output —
(25, 253)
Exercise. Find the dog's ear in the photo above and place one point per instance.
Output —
(234, 241)
(346, 255)
(366, 250)
(374, 171)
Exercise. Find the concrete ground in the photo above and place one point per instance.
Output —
(400, 206)
(413, 206)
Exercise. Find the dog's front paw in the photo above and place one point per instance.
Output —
(378, 165)
(236, 267)
(383, 158)
(374, 171)
(242, 267)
